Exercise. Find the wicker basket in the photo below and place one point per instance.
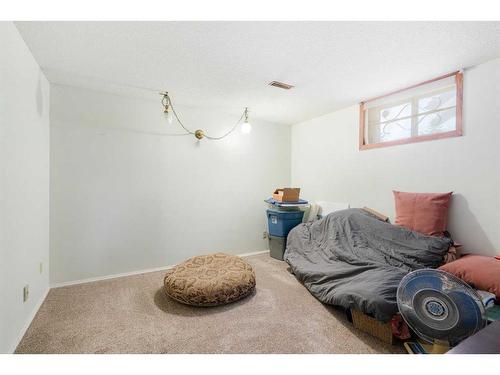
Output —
(370, 325)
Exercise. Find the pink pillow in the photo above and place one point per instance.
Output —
(481, 271)
(426, 213)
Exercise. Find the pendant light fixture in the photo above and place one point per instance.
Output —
(170, 115)
(246, 127)
(167, 111)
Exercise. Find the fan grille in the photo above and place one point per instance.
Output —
(439, 306)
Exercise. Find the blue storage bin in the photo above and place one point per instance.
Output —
(282, 222)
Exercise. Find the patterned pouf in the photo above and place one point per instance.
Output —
(210, 280)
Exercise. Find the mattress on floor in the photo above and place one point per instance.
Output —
(353, 259)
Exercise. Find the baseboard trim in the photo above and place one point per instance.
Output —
(254, 253)
(108, 277)
(133, 273)
(30, 319)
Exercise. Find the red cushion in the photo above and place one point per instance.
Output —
(426, 213)
(482, 272)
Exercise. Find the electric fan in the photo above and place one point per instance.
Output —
(440, 308)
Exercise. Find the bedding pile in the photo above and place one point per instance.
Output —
(353, 259)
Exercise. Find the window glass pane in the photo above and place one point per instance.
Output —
(395, 112)
(437, 122)
(393, 130)
(440, 100)
(389, 122)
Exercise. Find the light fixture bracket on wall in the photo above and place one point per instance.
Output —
(170, 114)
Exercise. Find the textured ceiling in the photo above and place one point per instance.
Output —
(227, 65)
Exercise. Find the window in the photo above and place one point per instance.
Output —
(429, 110)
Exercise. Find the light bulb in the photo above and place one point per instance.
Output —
(169, 116)
(246, 127)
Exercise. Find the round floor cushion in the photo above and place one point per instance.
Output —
(210, 280)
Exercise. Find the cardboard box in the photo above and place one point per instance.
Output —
(286, 195)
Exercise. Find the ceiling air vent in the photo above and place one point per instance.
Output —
(281, 85)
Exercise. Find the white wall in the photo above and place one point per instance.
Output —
(24, 185)
(123, 201)
(327, 164)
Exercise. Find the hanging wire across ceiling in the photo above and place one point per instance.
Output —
(168, 110)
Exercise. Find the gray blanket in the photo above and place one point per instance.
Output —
(352, 259)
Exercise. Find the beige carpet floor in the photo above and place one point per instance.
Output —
(133, 315)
